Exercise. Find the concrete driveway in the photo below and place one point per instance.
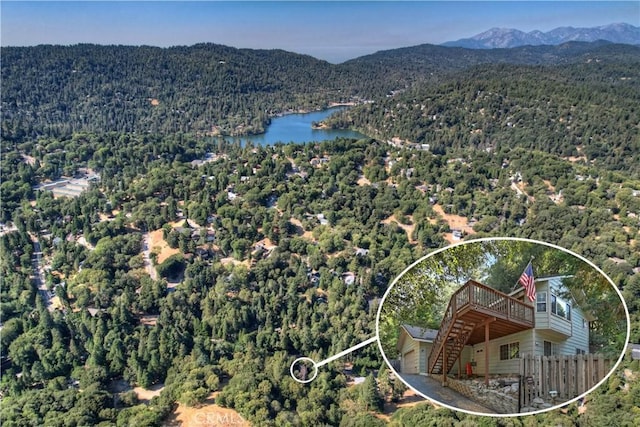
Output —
(434, 390)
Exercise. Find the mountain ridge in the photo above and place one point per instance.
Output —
(509, 37)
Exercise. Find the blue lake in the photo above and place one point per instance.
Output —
(297, 128)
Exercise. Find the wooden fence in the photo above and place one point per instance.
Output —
(569, 376)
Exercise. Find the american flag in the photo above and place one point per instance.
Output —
(526, 280)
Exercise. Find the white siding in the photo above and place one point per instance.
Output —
(425, 349)
(542, 318)
(497, 366)
(410, 362)
(409, 355)
(465, 357)
(579, 338)
(414, 354)
(568, 335)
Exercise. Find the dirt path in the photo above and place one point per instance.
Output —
(519, 189)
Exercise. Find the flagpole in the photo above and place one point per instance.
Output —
(518, 280)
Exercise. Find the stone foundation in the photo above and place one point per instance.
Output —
(498, 396)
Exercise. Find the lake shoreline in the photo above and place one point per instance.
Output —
(307, 111)
(299, 127)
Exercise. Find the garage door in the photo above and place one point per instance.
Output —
(410, 362)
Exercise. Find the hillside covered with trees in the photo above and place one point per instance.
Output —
(213, 276)
(210, 89)
(584, 110)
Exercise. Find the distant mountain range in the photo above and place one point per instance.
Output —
(507, 38)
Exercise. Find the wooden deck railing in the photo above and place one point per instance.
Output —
(477, 296)
(480, 296)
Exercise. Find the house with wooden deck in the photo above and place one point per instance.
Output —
(486, 330)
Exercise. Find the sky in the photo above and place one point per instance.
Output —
(330, 30)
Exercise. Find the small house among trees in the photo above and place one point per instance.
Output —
(490, 330)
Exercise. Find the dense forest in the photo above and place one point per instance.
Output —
(580, 110)
(262, 254)
(209, 89)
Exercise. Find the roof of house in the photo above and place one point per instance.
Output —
(635, 351)
(421, 334)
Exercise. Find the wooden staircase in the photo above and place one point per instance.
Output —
(450, 340)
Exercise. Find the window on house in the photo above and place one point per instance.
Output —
(541, 302)
(580, 351)
(504, 352)
(550, 348)
(510, 351)
(514, 350)
(560, 308)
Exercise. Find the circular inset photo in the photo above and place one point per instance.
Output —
(503, 327)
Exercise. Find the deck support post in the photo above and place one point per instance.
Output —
(444, 363)
(460, 365)
(486, 353)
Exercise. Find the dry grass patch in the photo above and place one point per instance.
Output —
(266, 243)
(231, 260)
(456, 222)
(321, 292)
(549, 186)
(363, 181)
(146, 394)
(160, 246)
(300, 231)
(207, 414)
(574, 159)
(409, 398)
(56, 303)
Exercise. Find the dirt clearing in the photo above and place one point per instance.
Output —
(159, 246)
(207, 414)
(456, 222)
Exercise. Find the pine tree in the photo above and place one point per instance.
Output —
(369, 394)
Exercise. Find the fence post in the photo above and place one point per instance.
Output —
(569, 375)
(601, 368)
(580, 373)
(520, 389)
